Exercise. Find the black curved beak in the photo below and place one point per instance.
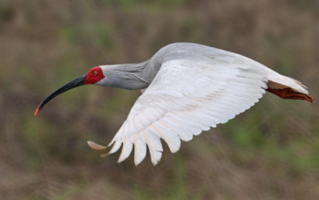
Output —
(76, 83)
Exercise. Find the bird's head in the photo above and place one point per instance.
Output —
(92, 77)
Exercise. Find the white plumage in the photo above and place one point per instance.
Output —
(185, 98)
(187, 88)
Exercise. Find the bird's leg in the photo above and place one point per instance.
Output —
(288, 93)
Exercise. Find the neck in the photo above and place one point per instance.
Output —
(126, 76)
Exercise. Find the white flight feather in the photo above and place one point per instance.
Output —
(185, 98)
(139, 149)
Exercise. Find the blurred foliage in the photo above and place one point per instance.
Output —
(268, 152)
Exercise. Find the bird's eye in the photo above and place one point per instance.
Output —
(94, 73)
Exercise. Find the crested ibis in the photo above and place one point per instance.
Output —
(187, 88)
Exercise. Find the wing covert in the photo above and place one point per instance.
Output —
(185, 98)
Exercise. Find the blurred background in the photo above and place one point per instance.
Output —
(269, 152)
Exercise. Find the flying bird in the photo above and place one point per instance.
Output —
(187, 88)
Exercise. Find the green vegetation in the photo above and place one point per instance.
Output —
(268, 152)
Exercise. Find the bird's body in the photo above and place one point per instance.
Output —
(187, 88)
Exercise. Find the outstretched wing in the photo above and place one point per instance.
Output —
(185, 98)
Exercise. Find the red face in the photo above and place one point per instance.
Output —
(94, 75)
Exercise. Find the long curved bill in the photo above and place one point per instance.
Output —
(76, 83)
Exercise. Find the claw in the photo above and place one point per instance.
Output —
(288, 93)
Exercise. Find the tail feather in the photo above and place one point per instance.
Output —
(278, 81)
(286, 87)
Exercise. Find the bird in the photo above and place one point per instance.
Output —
(186, 88)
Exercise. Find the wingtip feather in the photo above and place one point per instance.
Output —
(96, 146)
